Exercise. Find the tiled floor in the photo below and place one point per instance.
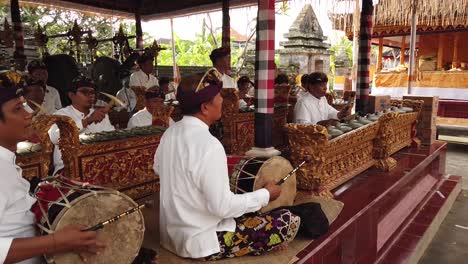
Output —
(451, 243)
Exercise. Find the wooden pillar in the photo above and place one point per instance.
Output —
(365, 37)
(226, 38)
(456, 42)
(402, 50)
(264, 80)
(380, 58)
(20, 58)
(139, 31)
(440, 53)
(412, 51)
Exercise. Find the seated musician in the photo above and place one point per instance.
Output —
(34, 94)
(301, 90)
(126, 95)
(19, 242)
(87, 119)
(144, 77)
(245, 84)
(312, 107)
(281, 79)
(154, 100)
(38, 71)
(165, 85)
(221, 59)
(200, 217)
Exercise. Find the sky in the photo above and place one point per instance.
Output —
(241, 21)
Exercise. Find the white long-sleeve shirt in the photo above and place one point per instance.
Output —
(311, 110)
(228, 82)
(196, 200)
(16, 219)
(77, 116)
(139, 78)
(143, 118)
(127, 96)
(52, 101)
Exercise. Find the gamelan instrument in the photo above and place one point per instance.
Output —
(62, 202)
(250, 174)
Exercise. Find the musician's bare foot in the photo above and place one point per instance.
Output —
(280, 247)
(155, 260)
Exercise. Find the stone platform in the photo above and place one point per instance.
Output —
(389, 217)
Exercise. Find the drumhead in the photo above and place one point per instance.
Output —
(264, 169)
(276, 168)
(123, 238)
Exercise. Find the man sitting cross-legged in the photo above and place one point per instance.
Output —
(200, 217)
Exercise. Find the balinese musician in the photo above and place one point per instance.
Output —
(154, 102)
(221, 59)
(38, 72)
(200, 217)
(312, 106)
(245, 84)
(18, 240)
(87, 118)
(34, 94)
(144, 78)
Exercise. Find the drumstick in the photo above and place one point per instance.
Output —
(306, 159)
(113, 219)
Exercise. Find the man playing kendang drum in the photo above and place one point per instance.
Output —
(87, 119)
(200, 217)
(312, 107)
(154, 99)
(221, 59)
(144, 77)
(18, 240)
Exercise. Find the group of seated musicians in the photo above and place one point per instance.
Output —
(200, 217)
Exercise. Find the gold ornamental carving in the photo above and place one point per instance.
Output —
(333, 162)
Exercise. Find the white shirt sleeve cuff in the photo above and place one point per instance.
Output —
(263, 196)
(5, 244)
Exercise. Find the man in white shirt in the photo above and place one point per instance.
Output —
(34, 93)
(18, 240)
(38, 71)
(200, 217)
(154, 99)
(127, 96)
(245, 85)
(87, 119)
(144, 76)
(221, 59)
(312, 107)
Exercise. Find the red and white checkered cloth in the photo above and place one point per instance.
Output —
(365, 36)
(264, 58)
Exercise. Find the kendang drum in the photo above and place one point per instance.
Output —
(250, 174)
(62, 202)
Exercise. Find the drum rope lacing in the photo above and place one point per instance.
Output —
(59, 185)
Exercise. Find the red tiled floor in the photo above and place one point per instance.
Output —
(407, 241)
(397, 256)
(416, 229)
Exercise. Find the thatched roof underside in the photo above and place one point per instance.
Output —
(148, 9)
(399, 12)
